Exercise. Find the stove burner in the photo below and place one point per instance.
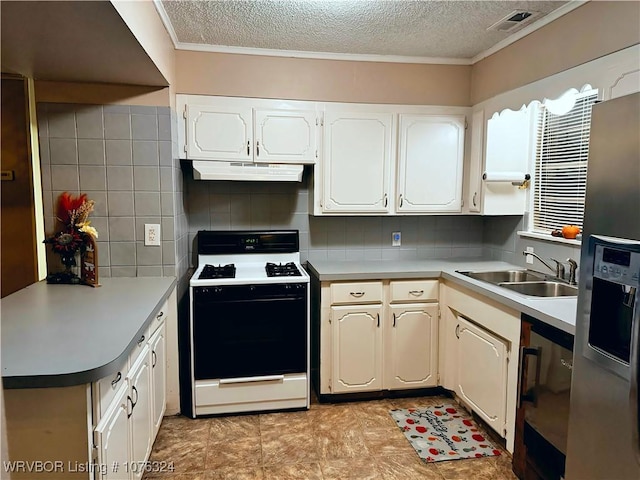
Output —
(279, 270)
(220, 271)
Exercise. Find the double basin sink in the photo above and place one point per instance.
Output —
(525, 282)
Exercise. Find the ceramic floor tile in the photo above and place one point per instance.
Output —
(183, 427)
(477, 468)
(289, 448)
(285, 423)
(181, 443)
(341, 443)
(406, 467)
(362, 468)
(386, 441)
(375, 414)
(182, 476)
(341, 416)
(234, 452)
(238, 473)
(298, 471)
(418, 402)
(504, 467)
(234, 427)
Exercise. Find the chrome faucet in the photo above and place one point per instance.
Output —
(559, 268)
(573, 266)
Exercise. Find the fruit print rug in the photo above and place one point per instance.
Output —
(443, 432)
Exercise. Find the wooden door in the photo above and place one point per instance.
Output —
(357, 162)
(411, 354)
(285, 136)
(357, 348)
(430, 163)
(18, 232)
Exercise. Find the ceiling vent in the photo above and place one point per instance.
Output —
(513, 21)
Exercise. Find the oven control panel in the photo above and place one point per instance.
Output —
(617, 265)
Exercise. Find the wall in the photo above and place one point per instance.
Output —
(268, 205)
(125, 159)
(586, 33)
(324, 80)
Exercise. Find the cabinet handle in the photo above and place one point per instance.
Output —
(115, 381)
(356, 294)
(400, 200)
(533, 396)
(132, 405)
(475, 194)
(386, 200)
(159, 316)
(258, 148)
(417, 293)
(141, 341)
(378, 320)
(154, 359)
(458, 331)
(248, 148)
(394, 320)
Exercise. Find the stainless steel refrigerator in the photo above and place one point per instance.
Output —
(603, 423)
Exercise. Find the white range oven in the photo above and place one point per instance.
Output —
(248, 323)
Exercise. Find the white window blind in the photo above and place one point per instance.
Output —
(561, 165)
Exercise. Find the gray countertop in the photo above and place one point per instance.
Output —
(559, 312)
(62, 335)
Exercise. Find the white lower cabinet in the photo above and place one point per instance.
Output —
(158, 345)
(357, 348)
(482, 372)
(112, 437)
(411, 359)
(378, 335)
(140, 419)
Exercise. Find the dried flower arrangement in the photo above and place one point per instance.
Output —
(75, 235)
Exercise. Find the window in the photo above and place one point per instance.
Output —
(562, 150)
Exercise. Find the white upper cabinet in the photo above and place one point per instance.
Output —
(431, 153)
(285, 136)
(219, 133)
(249, 130)
(358, 150)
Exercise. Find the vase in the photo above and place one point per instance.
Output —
(68, 276)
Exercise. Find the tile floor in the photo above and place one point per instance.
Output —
(345, 441)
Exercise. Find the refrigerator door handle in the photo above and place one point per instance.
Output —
(634, 404)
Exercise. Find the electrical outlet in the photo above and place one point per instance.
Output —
(396, 239)
(529, 258)
(152, 234)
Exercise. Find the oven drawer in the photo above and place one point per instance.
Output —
(414, 291)
(360, 292)
(287, 391)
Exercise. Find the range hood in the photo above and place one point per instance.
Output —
(207, 170)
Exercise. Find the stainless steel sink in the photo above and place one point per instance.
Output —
(502, 276)
(542, 289)
(525, 282)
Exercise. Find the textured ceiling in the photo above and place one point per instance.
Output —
(450, 29)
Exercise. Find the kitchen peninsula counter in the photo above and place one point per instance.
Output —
(559, 312)
(64, 335)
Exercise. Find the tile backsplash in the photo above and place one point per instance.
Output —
(271, 205)
(125, 159)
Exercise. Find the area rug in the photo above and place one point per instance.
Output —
(443, 432)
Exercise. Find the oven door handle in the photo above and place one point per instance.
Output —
(529, 397)
(263, 378)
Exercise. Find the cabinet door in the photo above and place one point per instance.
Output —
(411, 353)
(357, 157)
(430, 163)
(141, 421)
(158, 377)
(285, 136)
(219, 133)
(112, 437)
(477, 161)
(482, 373)
(357, 348)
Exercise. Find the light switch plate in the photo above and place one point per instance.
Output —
(152, 234)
